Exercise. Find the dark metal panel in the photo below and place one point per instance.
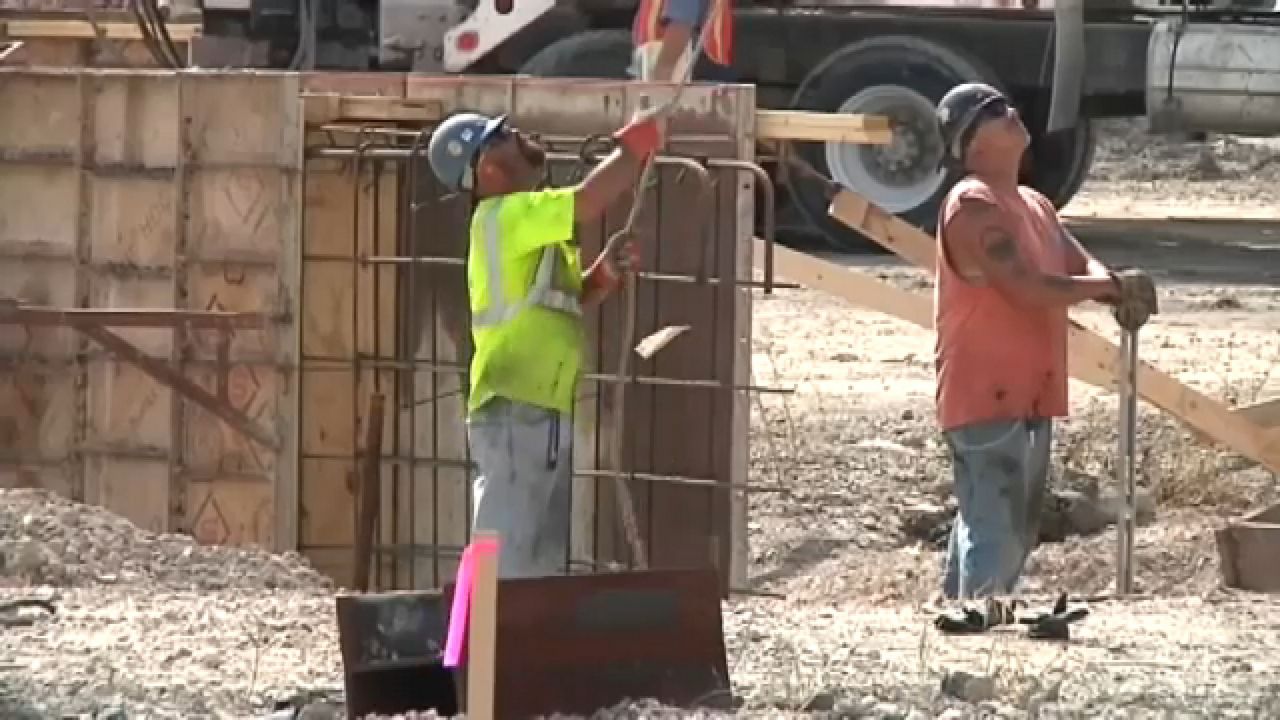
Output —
(575, 645)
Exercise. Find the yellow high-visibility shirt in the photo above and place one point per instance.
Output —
(524, 277)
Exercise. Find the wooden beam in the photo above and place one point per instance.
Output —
(85, 30)
(1092, 358)
(823, 127)
(322, 108)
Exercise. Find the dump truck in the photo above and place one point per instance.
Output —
(1185, 68)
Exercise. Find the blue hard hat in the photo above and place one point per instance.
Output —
(454, 145)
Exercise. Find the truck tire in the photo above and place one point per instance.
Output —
(897, 75)
(590, 54)
(1058, 164)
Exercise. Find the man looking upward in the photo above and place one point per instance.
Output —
(527, 291)
(1007, 270)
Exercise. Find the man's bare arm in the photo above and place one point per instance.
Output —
(676, 39)
(1002, 265)
(620, 170)
(1081, 261)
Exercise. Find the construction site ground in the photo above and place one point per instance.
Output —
(845, 561)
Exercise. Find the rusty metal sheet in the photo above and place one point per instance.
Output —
(575, 644)
(1247, 550)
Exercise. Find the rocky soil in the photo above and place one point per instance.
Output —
(845, 561)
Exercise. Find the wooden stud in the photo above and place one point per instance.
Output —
(85, 30)
(482, 628)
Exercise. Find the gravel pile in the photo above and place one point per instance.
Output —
(105, 620)
(48, 540)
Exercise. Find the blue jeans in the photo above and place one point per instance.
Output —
(523, 487)
(1001, 472)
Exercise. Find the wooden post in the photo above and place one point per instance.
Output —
(369, 492)
(482, 630)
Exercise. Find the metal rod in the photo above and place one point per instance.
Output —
(404, 153)
(1126, 523)
(391, 134)
(770, 210)
(338, 364)
(767, 284)
(710, 483)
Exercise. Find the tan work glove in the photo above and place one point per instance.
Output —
(1137, 301)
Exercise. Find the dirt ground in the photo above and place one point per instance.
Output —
(845, 561)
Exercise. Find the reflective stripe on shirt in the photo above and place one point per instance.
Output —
(542, 293)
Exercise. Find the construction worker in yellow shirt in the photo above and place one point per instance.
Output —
(527, 291)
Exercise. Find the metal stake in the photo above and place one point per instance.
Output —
(1126, 521)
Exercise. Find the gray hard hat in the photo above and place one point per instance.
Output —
(456, 142)
(958, 113)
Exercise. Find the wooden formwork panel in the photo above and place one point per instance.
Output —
(412, 336)
(152, 190)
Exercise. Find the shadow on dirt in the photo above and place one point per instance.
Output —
(799, 560)
(1236, 252)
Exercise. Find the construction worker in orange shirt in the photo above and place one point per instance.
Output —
(666, 33)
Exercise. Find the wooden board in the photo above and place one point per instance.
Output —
(157, 190)
(335, 105)
(1247, 548)
(1092, 358)
(346, 218)
(84, 29)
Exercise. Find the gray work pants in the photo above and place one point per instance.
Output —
(522, 488)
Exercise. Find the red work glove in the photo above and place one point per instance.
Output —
(606, 276)
(641, 137)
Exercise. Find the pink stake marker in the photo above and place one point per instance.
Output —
(457, 638)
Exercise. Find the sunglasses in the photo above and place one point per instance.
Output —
(994, 110)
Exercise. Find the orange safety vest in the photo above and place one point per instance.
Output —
(718, 27)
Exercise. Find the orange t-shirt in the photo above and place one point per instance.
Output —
(996, 360)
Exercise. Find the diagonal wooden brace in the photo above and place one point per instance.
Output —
(164, 373)
(1091, 359)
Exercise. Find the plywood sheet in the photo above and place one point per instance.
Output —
(242, 225)
(349, 311)
(134, 489)
(232, 512)
(136, 190)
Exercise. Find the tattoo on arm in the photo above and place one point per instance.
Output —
(1001, 248)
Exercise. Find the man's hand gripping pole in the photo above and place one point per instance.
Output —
(1136, 303)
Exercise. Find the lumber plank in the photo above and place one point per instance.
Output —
(322, 107)
(85, 30)
(1092, 358)
(823, 127)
